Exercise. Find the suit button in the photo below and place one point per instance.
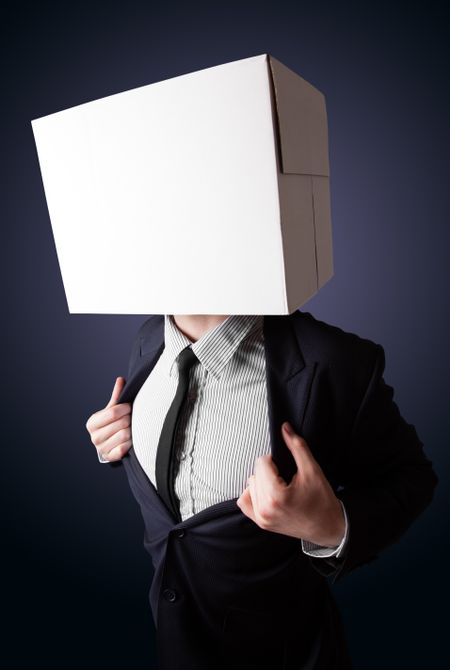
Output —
(180, 533)
(170, 595)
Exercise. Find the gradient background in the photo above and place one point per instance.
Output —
(75, 584)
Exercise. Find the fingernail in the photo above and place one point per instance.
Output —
(288, 428)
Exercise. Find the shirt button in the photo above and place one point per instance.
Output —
(170, 595)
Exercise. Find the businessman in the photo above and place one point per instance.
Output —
(266, 454)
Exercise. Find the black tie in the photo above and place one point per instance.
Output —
(164, 469)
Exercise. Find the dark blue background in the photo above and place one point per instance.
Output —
(77, 577)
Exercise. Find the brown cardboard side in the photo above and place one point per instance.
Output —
(298, 238)
(322, 224)
(302, 122)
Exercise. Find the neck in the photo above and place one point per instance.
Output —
(196, 325)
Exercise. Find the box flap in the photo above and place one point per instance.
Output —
(302, 122)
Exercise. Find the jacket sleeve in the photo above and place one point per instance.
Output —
(387, 480)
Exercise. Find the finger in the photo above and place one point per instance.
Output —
(267, 472)
(245, 504)
(115, 440)
(118, 452)
(107, 415)
(268, 486)
(117, 390)
(299, 449)
(100, 436)
(251, 488)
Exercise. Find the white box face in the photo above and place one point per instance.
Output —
(164, 199)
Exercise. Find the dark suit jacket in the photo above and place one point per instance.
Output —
(226, 593)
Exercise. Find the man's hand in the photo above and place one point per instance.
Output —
(307, 508)
(109, 428)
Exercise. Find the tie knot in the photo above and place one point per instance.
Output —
(186, 359)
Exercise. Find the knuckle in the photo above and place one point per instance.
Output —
(90, 423)
(123, 450)
(116, 412)
(125, 421)
(274, 503)
(113, 413)
(265, 515)
(268, 510)
(263, 522)
(120, 451)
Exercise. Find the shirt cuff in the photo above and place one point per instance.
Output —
(313, 549)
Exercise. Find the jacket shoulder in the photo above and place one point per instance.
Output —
(152, 323)
(148, 329)
(334, 347)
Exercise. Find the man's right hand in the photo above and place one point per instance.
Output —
(110, 427)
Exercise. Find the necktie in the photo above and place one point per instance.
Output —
(164, 467)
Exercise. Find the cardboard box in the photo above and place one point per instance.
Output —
(206, 193)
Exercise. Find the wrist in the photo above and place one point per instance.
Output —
(331, 534)
(339, 526)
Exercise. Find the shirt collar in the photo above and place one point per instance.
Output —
(216, 347)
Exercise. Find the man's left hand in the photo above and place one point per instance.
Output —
(305, 508)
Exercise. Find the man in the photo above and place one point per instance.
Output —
(291, 463)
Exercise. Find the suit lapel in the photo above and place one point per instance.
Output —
(288, 379)
(151, 348)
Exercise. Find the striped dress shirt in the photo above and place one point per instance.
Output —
(223, 426)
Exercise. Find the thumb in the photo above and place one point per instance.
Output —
(118, 386)
(298, 446)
